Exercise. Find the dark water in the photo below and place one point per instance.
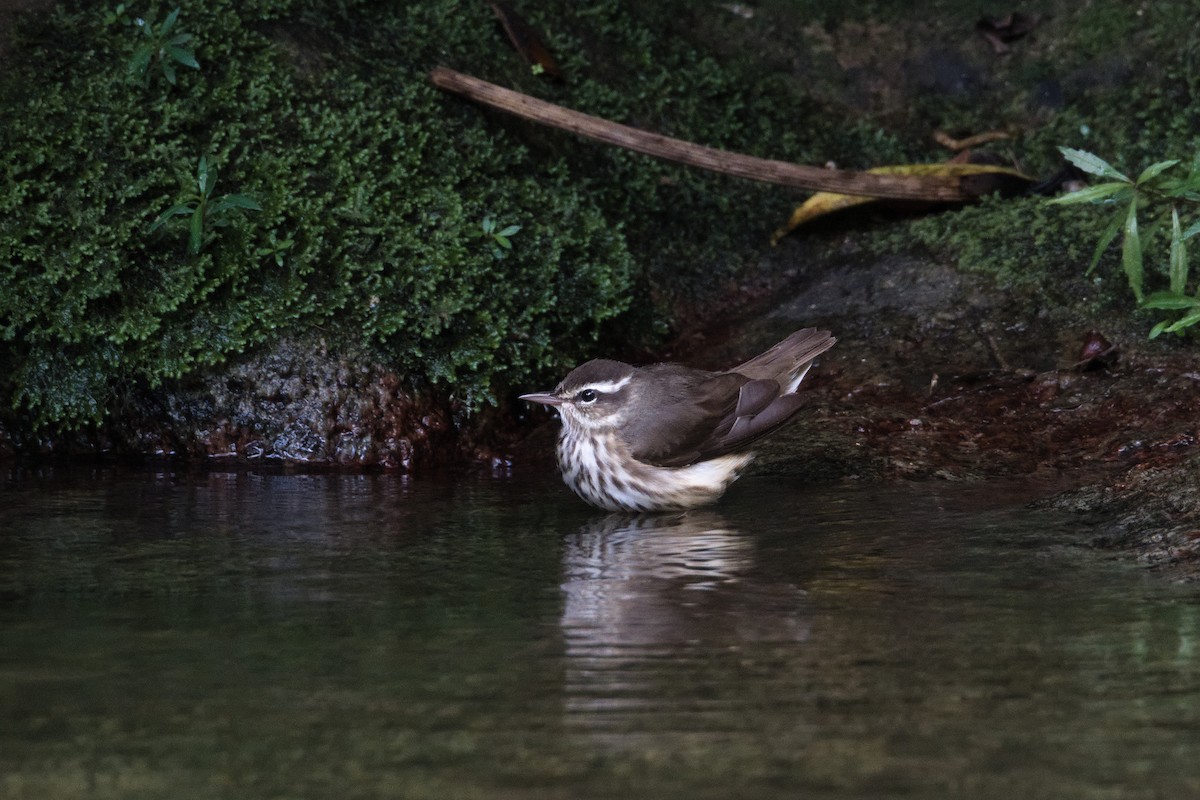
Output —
(252, 636)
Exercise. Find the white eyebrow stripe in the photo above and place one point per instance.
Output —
(608, 387)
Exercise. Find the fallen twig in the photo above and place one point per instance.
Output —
(937, 188)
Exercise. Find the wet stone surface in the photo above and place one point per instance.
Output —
(299, 404)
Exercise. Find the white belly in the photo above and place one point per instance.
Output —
(605, 475)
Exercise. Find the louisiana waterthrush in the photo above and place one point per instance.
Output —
(666, 436)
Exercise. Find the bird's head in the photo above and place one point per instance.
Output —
(595, 395)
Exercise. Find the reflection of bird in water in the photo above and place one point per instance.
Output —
(669, 580)
(649, 602)
(695, 547)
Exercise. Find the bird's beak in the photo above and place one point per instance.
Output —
(544, 399)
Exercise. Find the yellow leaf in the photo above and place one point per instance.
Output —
(823, 203)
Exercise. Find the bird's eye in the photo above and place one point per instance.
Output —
(587, 396)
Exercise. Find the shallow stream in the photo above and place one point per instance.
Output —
(247, 635)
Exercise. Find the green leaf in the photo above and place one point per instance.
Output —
(1192, 230)
(234, 201)
(140, 60)
(503, 241)
(1092, 164)
(202, 177)
(173, 211)
(168, 72)
(183, 56)
(243, 201)
(1154, 170)
(1106, 238)
(1180, 187)
(1184, 322)
(510, 230)
(1178, 258)
(206, 178)
(169, 22)
(1131, 252)
(1170, 301)
(196, 235)
(180, 39)
(1159, 328)
(1092, 194)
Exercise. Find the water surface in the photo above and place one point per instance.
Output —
(244, 635)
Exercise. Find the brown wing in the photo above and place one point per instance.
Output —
(768, 400)
(748, 428)
(726, 413)
(704, 415)
(682, 410)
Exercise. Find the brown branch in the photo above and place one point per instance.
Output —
(896, 187)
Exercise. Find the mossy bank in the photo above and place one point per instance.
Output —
(371, 267)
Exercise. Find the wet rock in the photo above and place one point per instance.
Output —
(1153, 510)
(299, 403)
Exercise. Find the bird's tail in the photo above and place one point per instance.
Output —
(788, 361)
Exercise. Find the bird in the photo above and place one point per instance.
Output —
(666, 437)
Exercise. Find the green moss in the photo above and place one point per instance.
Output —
(326, 117)
(381, 180)
(1022, 243)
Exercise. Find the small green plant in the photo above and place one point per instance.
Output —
(204, 211)
(1161, 185)
(500, 239)
(159, 45)
(275, 248)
